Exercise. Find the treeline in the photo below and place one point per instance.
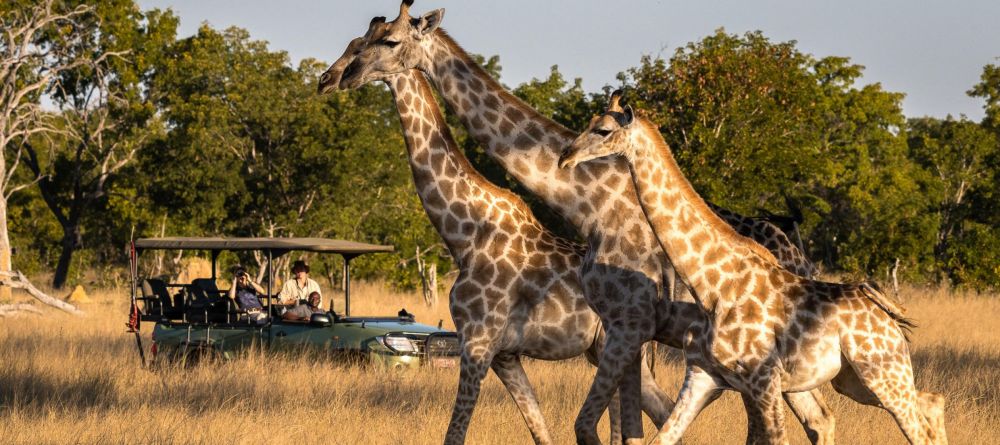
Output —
(218, 134)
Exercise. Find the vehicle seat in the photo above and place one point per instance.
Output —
(155, 292)
(207, 304)
(205, 289)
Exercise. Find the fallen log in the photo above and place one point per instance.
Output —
(7, 310)
(17, 280)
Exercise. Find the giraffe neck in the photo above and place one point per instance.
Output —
(525, 143)
(769, 235)
(447, 185)
(705, 250)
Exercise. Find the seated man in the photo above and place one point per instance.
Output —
(303, 312)
(244, 292)
(299, 287)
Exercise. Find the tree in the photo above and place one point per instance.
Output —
(252, 150)
(958, 154)
(105, 118)
(35, 44)
(753, 121)
(555, 98)
(988, 89)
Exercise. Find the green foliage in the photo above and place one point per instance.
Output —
(231, 139)
(988, 89)
(752, 122)
(254, 151)
(961, 156)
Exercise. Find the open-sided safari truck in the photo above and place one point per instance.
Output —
(197, 319)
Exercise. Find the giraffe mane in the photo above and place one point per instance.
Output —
(702, 212)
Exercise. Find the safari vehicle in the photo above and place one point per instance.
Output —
(197, 320)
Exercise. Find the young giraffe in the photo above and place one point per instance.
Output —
(623, 270)
(518, 290)
(768, 331)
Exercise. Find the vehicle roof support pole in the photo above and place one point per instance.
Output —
(215, 258)
(270, 309)
(347, 284)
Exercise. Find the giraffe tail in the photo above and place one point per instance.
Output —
(892, 307)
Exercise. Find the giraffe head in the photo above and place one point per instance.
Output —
(391, 47)
(609, 133)
(330, 79)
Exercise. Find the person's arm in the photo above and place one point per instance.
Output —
(285, 294)
(256, 287)
(296, 314)
(232, 290)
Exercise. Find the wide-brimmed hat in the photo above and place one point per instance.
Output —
(299, 264)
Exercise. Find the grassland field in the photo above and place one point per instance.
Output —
(76, 379)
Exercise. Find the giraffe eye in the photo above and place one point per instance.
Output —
(602, 132)
(390, 43)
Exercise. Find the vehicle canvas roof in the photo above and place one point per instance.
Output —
(322, 245)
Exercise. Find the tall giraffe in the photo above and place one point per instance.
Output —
(623, 271)
(518, 290)
(769, 331)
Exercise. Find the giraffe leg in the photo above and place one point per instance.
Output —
(894, 391)
(929, 406)
(615, 419)
(655, 402)
(699, 389)
(767, 397)
(932, 407)
(755, 421)
(815, 416)
(475, 363)
(593, 354)
(509, 370)
(616, 356)
(631, 396)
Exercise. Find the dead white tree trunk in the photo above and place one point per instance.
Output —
(428, 278)
(7, 310)
(17, 280)
(895, 279)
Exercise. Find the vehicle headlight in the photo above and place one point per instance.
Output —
(398, 343)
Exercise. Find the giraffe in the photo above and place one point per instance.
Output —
(518, 290)
(768, 330)
(623, 272)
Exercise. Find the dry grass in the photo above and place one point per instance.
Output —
(66, 379)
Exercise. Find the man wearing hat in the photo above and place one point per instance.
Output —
(298, 288)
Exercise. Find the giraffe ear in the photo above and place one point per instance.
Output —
(628, 115)
(430, 21)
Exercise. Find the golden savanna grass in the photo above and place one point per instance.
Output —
(69, 379)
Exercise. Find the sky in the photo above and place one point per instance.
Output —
(932, 51)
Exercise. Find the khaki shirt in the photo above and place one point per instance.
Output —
(291, 292)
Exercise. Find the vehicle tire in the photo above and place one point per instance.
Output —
(197, 355)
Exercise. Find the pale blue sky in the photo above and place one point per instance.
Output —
(932, 51)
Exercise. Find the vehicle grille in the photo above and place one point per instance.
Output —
(440, 345)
